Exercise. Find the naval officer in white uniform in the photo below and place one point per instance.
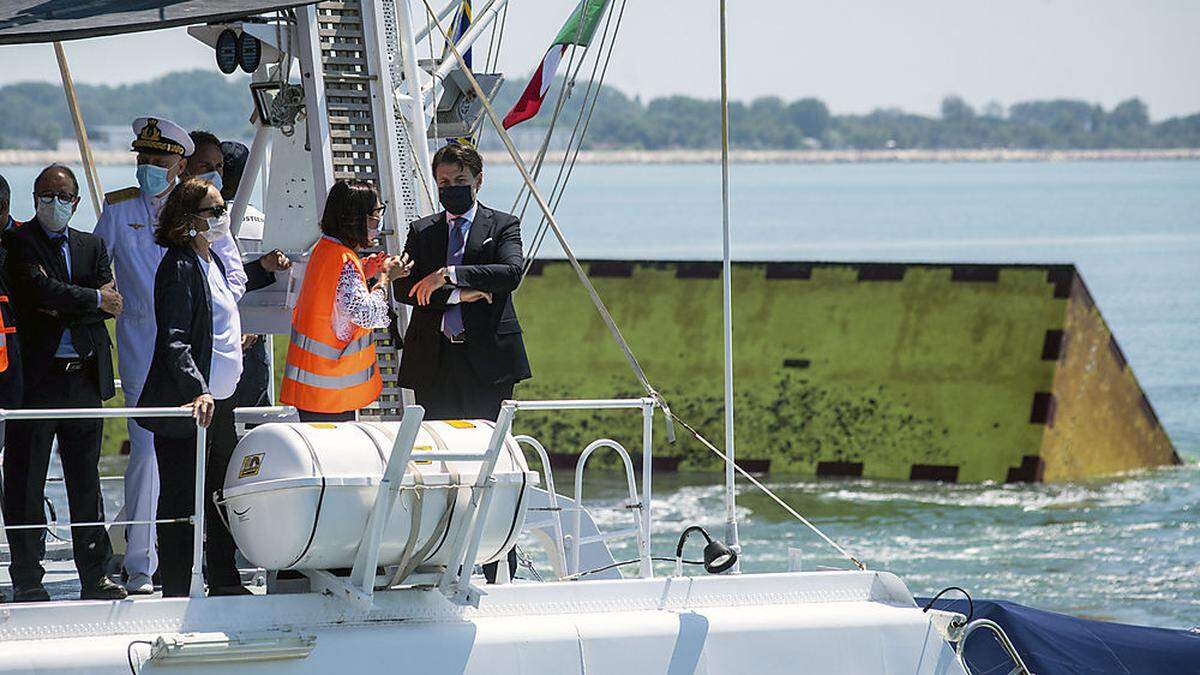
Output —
(127, 227)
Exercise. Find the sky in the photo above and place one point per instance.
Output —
(856, 55)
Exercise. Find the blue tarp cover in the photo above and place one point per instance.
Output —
(1057, 644)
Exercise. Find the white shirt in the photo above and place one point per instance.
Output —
(469, 217)
(127, 228)
(227, 334)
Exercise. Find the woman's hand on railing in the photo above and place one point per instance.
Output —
(202, 409)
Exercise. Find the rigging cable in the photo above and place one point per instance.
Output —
(606, 316)
(492, 64)
(575, 129)
(558, 190)
(568, 86)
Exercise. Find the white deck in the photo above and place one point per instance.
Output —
(831, 622)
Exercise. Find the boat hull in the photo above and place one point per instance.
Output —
(826, 622)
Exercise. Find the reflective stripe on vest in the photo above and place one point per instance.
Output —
(325, 373)
(334, 383)
(314, 346)
(4, 331)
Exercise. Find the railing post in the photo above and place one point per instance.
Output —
(481, 500)
(647, 493)
(197, 587)
(367, 557)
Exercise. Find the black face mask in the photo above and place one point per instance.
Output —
(456, 199)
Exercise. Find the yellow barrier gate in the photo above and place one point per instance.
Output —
(896, 371)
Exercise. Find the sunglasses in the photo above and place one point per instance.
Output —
(49, 197)
(378, 211)
(217, 211)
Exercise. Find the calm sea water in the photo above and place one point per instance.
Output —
(1124, 548)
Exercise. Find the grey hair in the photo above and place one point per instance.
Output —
(59, 167)
(5, 191)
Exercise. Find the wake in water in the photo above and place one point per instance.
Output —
(1121, 549)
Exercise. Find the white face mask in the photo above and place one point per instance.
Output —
(217, 228)
(55, 215)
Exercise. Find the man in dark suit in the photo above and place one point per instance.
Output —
(64, 290)
(463, 350)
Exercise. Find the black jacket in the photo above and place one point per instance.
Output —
(492, 262)
(182, 361)
(257, 276)
(48, 301)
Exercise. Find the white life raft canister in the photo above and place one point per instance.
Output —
(297, 496)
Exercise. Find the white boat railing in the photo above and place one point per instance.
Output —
(646, 405)
(455, 580)
(560, 551)
(631, 502)
(196, 588)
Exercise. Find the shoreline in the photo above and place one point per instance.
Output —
(14, 157)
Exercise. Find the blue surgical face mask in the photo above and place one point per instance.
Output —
(55, 215)
(212, 177)
(153, 179)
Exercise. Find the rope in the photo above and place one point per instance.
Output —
(807, 523)
(602, 310)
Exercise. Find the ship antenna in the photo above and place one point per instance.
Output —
(731, 528)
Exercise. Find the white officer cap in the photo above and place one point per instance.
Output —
(157, 134)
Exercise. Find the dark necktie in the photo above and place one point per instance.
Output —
(59, 242)
(452, 319)
(79, 342)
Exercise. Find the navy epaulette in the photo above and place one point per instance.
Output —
(122, 195)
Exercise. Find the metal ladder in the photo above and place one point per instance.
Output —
(361, 70)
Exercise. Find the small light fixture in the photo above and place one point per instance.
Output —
(718, 557)
(227, 51)
(197, 648)
(249, 52)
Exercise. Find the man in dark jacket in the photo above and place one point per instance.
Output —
(64, 291)
(463, 351)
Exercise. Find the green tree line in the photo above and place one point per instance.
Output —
(36, 116)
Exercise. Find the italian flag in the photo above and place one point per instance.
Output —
(578, 30)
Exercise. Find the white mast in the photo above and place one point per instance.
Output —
(731, 529)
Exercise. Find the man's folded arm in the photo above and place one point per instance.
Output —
(49, 293)
(502, 276)
(402, 286)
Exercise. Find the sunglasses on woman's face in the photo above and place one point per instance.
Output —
(216, 211)
(378, 211)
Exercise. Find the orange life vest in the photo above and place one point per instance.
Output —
(323, 373)
(4, 332)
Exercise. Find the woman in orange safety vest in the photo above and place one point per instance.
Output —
(331, 370)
